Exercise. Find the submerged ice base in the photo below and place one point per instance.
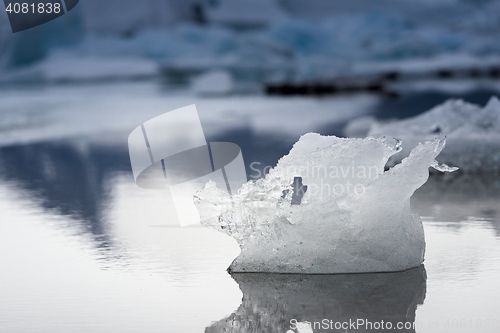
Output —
(327, 207)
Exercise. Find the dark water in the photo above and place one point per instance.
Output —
(83, 249)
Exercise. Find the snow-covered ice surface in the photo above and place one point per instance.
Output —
(347, 216)
(473, 133)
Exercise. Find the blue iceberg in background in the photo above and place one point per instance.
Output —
(283, 40)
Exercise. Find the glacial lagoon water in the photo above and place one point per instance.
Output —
(82, 248)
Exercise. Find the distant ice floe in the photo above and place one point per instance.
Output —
(473, 133)
(327, 207)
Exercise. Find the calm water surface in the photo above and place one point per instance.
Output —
(83, 249)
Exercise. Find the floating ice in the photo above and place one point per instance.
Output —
(327, 207)
(473, 133)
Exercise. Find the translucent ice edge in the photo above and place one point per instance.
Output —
(327, 207)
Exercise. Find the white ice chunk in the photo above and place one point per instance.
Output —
(353, 217)
(473, 134)
(443, 167)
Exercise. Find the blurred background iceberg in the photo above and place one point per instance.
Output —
(256, 41)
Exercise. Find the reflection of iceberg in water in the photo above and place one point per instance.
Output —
(270, 301)
(69, 178)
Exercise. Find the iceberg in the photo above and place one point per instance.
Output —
(473, 133)
(327, 207)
